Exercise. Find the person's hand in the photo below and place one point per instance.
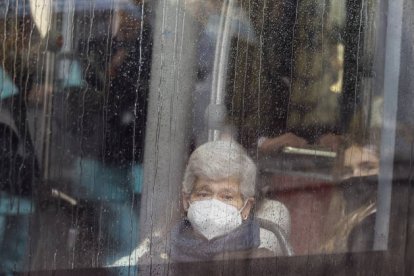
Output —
(330, 141)
(275, 144)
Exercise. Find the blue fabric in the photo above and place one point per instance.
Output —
(74, 78)
(120, 222)
(14, 210)
(186, 246)
(137, 177)
(13, 243)
(97, 181)
(14, 216)
(7, 87)
(115, 187)
(14, 205)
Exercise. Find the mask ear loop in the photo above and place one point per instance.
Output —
(241, 209)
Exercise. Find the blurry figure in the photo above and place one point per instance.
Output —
(19, 174)
(353, 205)
(354, 201)
(129, 72)
(108, 116)
(16, 181)
(279, 92)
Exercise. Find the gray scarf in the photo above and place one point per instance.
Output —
(186, 246)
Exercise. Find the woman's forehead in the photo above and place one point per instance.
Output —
(355, 154)
(228, 183)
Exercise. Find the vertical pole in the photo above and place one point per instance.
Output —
(216, 111)
(173, 76)
(391, 87)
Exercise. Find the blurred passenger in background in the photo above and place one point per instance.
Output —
(20, 81)
(112, 175)
(129, 73)
(353, 205)
(279, 89)
(354, 202)
(104, 111)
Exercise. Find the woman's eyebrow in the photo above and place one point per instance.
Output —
(368, 164)
(203, 188)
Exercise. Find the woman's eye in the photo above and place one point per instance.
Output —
(228, 197)
(202, 194)
(368, 167)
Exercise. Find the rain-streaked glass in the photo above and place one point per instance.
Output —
(103, 102)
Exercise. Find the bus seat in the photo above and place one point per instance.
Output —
(274, 220)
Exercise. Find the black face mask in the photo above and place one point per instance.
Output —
(358, 191)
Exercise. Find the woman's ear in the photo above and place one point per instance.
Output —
(246, 210)
(186, 201)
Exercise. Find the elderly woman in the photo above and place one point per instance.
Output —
(218, 196)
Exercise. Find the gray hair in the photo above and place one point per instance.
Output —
(219, 160)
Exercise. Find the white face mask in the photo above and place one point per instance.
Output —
(213, 218)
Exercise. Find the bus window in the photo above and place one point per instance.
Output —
(216, 136)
